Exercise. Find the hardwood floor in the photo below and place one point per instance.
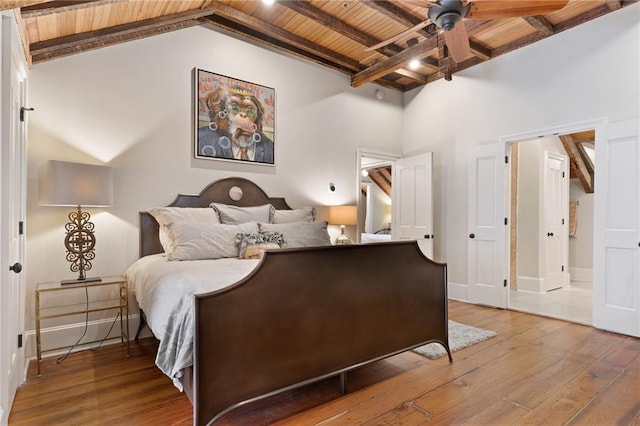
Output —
(535, 371)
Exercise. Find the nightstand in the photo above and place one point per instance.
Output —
(89, 304)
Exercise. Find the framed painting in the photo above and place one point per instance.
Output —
(234, 119)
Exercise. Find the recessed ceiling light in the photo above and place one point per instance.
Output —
(414, 64)
(268, 2)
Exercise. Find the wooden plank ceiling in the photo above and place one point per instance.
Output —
(333, 33)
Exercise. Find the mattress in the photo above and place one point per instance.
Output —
(164, 290)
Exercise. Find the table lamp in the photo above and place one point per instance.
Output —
(78, 185)
(343, 216)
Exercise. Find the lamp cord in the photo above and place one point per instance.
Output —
(61, 358)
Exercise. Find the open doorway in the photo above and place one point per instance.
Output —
(551, 246)
(375, 183)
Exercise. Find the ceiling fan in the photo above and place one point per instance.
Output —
(448, 15)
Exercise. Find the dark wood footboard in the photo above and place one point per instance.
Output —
(307, 314)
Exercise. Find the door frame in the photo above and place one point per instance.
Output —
(509, 140)
(13, 150)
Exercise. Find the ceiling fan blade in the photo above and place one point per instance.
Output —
(458, 42)
(398, 36)
(494, 9)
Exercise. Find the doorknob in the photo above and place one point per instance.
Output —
(16, 267)
(549, 234)
(472, 235)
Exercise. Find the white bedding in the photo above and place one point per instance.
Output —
(164, 290)
(374, 238)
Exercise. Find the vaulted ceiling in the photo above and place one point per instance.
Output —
(333, 33)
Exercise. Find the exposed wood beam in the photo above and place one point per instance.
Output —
(412, 75)
(479, 51)
(306, 9)
(586, 159)
(23, 37)
(587, 136)
(517, 44)
(59, 6)
(562, 26)
(237, 16)
(63, 46)
(446, 63)
(391, 64)
(264, 40)
(386, 173)
(391, 11)
(269, 30)
(541, 24)
(472, 61)
(379, 180)
(589, 15)
(16, 4)
(613, 4)
(578, 164)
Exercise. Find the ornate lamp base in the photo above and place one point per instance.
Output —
(342, 239)
(80, 243)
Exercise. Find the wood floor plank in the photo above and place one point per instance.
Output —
(565, 403)
(535, 371)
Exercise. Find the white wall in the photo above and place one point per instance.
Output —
(583, 74)
(528, 211)
(130, 107)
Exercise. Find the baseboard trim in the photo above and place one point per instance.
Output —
(530, 284)
(457, 291)
(68, 334)
(581, 274)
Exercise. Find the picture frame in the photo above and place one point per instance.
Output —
(234, 119)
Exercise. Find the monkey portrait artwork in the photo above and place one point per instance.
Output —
(235, 119)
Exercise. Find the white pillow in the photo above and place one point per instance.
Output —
(234, 214)
(304, 214)
(300, 234)
(165, 216)
(194, 241)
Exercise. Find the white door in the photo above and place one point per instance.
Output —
(12, 200)
(487, 255)
(616, 268)
(555, 210)
(413, 201)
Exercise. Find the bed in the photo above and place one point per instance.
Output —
(295, 316)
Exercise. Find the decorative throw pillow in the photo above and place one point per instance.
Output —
(300, 234)
(234, 214)
(304, 214)
(194, 241)
(165, 216)
(252, 245)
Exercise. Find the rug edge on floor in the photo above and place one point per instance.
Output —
(460, 336)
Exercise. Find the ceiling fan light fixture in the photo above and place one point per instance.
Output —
(448, 20)
(448, 14)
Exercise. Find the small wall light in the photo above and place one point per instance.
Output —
(332, 187)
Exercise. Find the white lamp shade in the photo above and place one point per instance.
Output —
(343, 215)
(75, 184)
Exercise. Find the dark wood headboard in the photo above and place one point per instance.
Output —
(216, 192)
